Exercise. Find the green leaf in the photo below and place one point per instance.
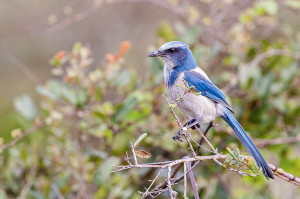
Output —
(81, 97)
(290, 72)
(228, 159)
(140, 139)
(191, 35)
(173, 105)
(104, 171)
(127, 107)
(252, 165)
(25, 106)
(234, 162)
(236, 153)
(270, 6)
(166, 31)
(179, 85)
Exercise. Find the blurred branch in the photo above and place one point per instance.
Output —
(22, 67)
(258, 59)
(277, 141)
(266, 142)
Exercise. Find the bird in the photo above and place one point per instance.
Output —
(180, 68)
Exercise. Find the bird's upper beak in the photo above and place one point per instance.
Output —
(156, 53)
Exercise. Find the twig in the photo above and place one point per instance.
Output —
(258, 59)
(193, 181)
(24, 134)
(22, 67)
(184, 180)
(133, 153)
(172, 110)
(206, 140)
(201, 140)
(173, 193)
(284, 175)
(153, 181)
(277, 141)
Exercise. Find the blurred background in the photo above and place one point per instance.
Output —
(75, 74)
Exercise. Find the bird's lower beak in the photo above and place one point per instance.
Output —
(156, 53)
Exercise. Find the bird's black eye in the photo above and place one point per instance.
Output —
(172, 50)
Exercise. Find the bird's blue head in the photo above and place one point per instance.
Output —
(175, 54)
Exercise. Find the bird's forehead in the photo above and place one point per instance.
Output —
(173, 44)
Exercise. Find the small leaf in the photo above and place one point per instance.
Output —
(127, 107)
(236, 153)
(16, 133)
(181, 99)
(179, 85)
(25, 106)
(234, 162)
(252, 165)
(142, 154)
(228, 159)
(140, 139)
(173, 105)
(192, 88)
(104, 170)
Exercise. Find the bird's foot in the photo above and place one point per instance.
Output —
(180, 134)
(192, 121)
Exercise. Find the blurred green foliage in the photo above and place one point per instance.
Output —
(93, 114)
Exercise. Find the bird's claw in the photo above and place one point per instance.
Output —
(190, 123)
(178, 135)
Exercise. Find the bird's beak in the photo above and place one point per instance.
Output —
(156, 53)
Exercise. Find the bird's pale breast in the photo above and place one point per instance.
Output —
(194, 106)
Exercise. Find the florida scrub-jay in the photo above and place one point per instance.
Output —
(179, 65)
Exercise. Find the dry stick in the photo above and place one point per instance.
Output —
(162, 186)
(173, 193)
(201, 140)
(206, 140)
(277, 141)
(133, 153)
(193, 181)
(284, 175)
(184, 179)
(22, 67)
(147, 190)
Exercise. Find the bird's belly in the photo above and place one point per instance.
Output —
(196, 106)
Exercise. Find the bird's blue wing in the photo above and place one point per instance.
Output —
(207, 88)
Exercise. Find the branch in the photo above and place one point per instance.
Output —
(258, 59)
(24, 134)
(277, 141)
(284, 175)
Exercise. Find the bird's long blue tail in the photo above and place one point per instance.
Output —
(248, 144)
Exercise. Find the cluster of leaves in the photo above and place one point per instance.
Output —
(92, 113)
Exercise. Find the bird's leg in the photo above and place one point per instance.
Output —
(191, 124)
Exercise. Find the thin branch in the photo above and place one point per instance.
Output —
(258, 59)
(193, 181)
(201, 140)
(153, 181)
(22, 67)
(173, 193)
(133, 153)
(284, 175)
(184, 180)
(24, 134)
(277, 141)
